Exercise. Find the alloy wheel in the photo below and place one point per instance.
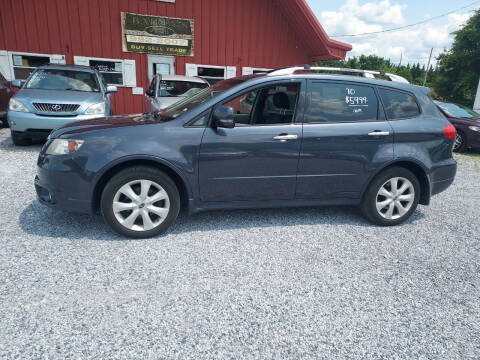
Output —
(141, 205)
(395, 198)
(458, 142)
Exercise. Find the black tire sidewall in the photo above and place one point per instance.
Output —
(20, 140)
(368, 206)
(139, 173)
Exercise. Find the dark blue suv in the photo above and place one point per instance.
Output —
(269, 140)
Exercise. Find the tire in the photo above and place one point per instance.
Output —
(375, 195)
(460, 142)
(20, 140)
(4, 122)
(161, 213)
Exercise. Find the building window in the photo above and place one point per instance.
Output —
(23, 65)
(211, 73)
(19, 65)
(112, 71)
(251, 71)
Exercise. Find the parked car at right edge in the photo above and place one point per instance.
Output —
(301, 139)
(166, 90)
(6, 93)
(467, 123)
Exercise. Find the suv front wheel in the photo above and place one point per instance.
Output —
(140, 202)
(392, 197)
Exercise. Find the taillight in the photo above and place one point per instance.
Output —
(450, 131)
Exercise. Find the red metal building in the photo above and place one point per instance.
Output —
(229, 38)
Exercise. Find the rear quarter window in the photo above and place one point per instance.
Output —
(341, 102)
(398, 104)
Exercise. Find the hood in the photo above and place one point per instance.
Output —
(104, 123)
(59, 96)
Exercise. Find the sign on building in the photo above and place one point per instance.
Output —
(157, 35)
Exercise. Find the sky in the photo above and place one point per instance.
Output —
(347, 17)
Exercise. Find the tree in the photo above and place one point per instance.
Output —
(458, 70)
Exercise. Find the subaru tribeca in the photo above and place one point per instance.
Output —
(301, 139)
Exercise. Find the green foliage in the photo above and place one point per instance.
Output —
(415, 74)
(459, 68)
(455, 77)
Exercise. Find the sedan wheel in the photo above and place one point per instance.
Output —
(459, 143)
(140, 202)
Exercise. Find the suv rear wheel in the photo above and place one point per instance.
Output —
(392, 197)
(140, 202)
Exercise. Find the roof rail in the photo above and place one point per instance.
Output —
(371, 74)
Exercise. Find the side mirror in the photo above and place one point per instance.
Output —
(150, 93)
(111, 89)
(17, 83)
(223, 117)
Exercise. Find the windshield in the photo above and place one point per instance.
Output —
(189, 103)
(55, 79)
(459, 111)
(179, 88)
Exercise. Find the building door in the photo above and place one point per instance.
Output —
(162, 65)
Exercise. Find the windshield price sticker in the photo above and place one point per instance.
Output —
(352, 100)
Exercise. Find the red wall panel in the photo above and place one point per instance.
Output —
(251, 33)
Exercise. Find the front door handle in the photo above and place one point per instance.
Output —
(285, 137)
(379, 133)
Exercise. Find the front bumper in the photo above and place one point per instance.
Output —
(59, 185)
(37, 124)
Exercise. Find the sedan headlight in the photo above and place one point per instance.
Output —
(63, 146)
(15, 105)
(474, 128)
(96, 109)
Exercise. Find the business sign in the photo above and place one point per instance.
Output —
(157, 35)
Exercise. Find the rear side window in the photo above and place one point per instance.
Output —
(399, 105)
(341, 102)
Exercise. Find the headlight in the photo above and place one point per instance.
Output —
(474, 128)
(15, 105)
(96, 109)
(63, 146)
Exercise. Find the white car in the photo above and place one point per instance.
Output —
(165, 90)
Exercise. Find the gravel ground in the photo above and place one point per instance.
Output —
(284, 283)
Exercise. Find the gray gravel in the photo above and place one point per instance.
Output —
(283, 283)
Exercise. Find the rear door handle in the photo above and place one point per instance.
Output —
(379, 133)
(285, 137)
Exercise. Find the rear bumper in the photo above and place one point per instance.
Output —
(442, 176)
(33, 123)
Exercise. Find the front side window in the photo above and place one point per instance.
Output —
(179, 88)
(398, 105)
(55, 79)
(111, 71)
(341, 102)
(267, 106)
